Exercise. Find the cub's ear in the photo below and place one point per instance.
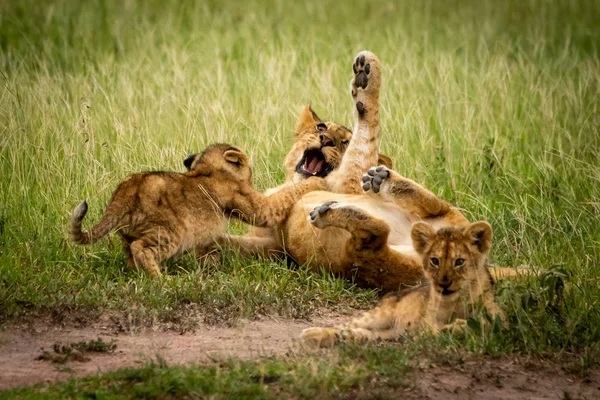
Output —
(385, 160)
(189, 161)
(236, 156)
(308, 119)
(421, 234)
(479, 235)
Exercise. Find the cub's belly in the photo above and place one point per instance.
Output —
(399, 220)
(325, 247)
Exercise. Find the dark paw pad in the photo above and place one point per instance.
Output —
(362, 80)
(320, 210)
(360, 107)
(374, 178)
(361, 69)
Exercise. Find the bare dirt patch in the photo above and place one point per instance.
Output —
(480, 379)
(503, 379)
(20, 347)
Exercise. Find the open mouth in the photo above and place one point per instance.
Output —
(446, 292)
(313, 164)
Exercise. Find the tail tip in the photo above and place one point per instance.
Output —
(80, 210)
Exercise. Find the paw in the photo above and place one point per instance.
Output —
(459, 326)
(319, 211)
(361, 69)
(374, 178)
(366, 80)
(320, 337)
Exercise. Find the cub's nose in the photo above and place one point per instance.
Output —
(326, 141)
(445, 285)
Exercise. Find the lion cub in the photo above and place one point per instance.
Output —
(454, 262)
(160, 214)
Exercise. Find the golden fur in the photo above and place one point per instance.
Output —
(160, 214)
(453, 260)
(360, 227)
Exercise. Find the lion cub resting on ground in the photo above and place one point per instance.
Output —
(454, 263)
(160, 214)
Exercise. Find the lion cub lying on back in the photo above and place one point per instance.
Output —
(160, 214)
(454, 263)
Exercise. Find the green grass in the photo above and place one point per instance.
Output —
(492, 105)
(301, 377)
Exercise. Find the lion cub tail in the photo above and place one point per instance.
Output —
(101, 229)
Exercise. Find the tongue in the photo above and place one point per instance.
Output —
(313, 165)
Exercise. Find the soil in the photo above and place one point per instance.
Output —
(484, 379)
(21, 346)
(504, 379)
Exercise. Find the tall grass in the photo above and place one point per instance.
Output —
(492, 105)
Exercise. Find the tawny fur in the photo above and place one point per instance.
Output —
(160, 214)
(456, 280)
(365, 235)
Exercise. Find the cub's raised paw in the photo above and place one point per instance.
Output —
(366, 81)
(320, 337)
(374, 178)
(361, 69)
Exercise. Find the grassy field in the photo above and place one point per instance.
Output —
(492, 105)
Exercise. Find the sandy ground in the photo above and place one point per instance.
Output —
(19, 347)
(487, 379)
(503, 379)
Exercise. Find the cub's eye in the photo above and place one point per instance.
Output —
(435, 261)
(459, 262)
(345, 142)
(321, 127)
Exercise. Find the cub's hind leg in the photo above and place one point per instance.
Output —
(248, 246)
(367, 231)
(394, 188)
(126, 241)
(155, 246)
(369, 259)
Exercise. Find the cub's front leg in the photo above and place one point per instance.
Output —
(259, 210)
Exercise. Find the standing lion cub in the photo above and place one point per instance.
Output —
(457, 278)
(160, 214)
